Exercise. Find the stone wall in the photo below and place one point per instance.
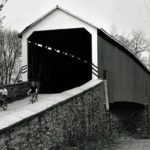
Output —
(17, 91)
(80, 122)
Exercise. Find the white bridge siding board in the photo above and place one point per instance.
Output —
(59, 20)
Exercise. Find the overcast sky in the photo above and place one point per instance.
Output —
(126, 15)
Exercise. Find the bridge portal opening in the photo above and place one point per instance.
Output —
(59, 59)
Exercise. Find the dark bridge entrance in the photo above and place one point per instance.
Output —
(56, 59)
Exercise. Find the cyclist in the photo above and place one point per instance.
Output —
(0, 90)
(3, 93)
(33, 91)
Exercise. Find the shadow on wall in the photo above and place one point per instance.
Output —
(129, 119)
(128, 106)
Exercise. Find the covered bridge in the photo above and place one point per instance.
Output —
(63, 51)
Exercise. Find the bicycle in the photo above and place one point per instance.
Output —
(3, 102)
(34, 98)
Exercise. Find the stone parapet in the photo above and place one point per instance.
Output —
(17, 91)
(76, 118)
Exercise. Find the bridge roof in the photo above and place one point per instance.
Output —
(117, 43)
(100, 30)
(50, 12)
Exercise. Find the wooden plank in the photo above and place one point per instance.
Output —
(126, 78)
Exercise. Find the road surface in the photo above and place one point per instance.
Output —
(132, 144)
(21, 104)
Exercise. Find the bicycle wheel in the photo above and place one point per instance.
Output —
(33, 100)
(4, 105)
(30, 101)
(36, 99)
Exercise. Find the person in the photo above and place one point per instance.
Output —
(33, 91)
(4, 92)
(3, 97)
(0, 92)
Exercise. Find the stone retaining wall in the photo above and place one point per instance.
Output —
(17, 91)
(78, 122)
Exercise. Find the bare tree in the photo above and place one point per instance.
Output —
(138, 43)
(10, 57)
(2, 3)
(134, 41)
(123, 38)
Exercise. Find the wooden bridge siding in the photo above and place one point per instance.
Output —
(127, 80)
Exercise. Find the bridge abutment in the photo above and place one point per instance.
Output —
(76, 118)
